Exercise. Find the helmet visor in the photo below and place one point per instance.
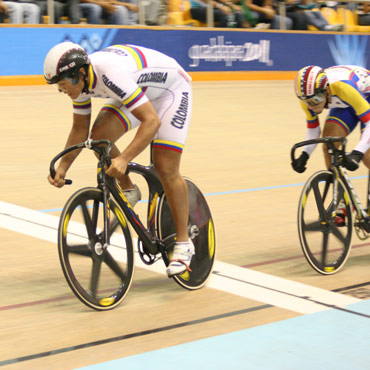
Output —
(314, 99)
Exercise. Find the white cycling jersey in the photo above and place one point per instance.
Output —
(129, 76)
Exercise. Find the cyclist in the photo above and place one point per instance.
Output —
(145, 89)
(345, 90)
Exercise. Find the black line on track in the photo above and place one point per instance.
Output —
(296, 296)
(351, 287)
(133, 335)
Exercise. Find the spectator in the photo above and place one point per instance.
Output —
(297, 16)
(363, 12)
(198, 11)
(62, 8)
(235, 16)
(21, 11)
(98, 10)
(131, 9)
(249, 19)
(264, 12)
(315, 17)
(3, 11)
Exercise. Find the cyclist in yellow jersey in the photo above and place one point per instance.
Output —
(145, 89)
(345, 90)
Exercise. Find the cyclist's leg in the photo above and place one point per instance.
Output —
(167, 164)
(112, 122)
(340, 122)
(174, 110)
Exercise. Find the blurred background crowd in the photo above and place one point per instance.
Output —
(299, 15)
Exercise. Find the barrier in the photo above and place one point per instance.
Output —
(208, 54)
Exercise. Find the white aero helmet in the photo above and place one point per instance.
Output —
(64, 60)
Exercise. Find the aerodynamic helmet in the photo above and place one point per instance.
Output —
(310, 81)
(64, 60)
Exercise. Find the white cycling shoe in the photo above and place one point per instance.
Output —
(181, 258)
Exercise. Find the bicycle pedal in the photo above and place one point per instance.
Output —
(339, 220)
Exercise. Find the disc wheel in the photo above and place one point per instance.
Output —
(99, 274)
(201, 231)
(325, 241)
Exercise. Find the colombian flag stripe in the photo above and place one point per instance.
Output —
(313, 123)
(93, 79)
(135, 97)
(338, 122)
(83, 105)
(168, 145)
(119, 114)
(136, 54)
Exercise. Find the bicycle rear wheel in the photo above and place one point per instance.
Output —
(201, 231)
(99, 275)
(325, 244)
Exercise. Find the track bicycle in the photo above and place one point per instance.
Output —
(329, 209)
(94, 239)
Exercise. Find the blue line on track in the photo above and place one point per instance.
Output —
(230, 192)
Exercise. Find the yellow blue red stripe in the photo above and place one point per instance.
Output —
(93, 79)
(313, 123)
(339, 122)
(133, 98)
(165, 144)
(83, 105)
(119, 114)
(136, 53)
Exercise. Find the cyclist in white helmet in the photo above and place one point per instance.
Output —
(145, 89)
(345, 90)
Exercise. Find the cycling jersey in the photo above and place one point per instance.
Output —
(350, 101)
(129, 76)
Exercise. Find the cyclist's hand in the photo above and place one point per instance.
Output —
(352, 161)
(117, 168)
(299, 164)
(58, 180)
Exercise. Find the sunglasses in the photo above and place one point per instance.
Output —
(314, 100)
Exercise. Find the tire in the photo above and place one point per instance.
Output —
(99, 277)
(325, 245)
(201, 231)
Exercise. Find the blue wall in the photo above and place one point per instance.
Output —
(22, 50)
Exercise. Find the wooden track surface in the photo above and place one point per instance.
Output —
(238, 152)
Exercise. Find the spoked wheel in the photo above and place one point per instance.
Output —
(98, 273)
(201, 231)
(325, 240)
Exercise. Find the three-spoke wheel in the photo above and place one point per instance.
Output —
(99, 271)
(325, 230)
(201, 231)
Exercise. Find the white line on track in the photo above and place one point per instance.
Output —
(229, 278)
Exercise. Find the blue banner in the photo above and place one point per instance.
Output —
(23, 49)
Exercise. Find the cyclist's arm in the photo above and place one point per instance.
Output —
(78, 134)
(348, 92)
(149, 125)
(313, 129)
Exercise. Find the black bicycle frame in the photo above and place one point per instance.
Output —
(108, 186)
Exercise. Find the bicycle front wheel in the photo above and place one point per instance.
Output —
(201, 231)
(325, 242)
(99, 273)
